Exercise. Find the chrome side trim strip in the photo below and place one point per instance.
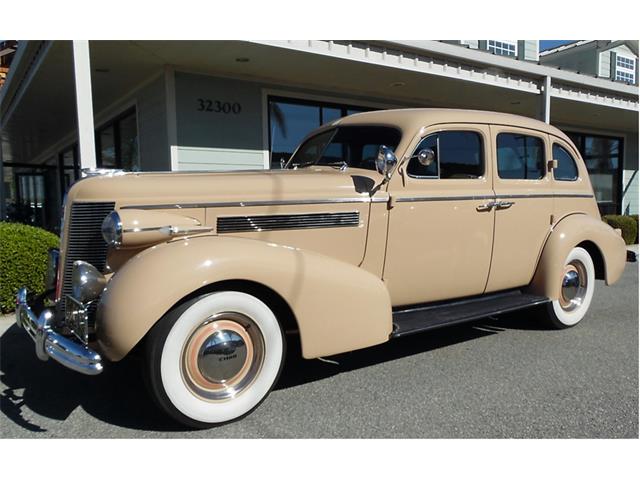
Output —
(333, 201)
(145, 229)
(548, 195)
(261, 223)
(493, 197)
(170, 230)
(260, 203)
(445, 199)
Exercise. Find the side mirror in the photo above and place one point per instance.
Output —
(426, 157)
(386, 161)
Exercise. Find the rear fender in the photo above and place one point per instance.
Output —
(568, 233)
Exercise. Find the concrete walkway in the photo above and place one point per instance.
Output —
(6, 321)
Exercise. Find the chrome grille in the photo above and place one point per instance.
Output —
(259, 223)
(84, 239)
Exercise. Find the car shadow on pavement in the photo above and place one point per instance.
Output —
(298, 371)
(118, 396)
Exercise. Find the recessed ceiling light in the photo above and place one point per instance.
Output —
(397, 84)
(242, 59)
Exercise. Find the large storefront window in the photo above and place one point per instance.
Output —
(34, 192)
(30, 194)
(603, 157)
(290, 120)
(117, 143)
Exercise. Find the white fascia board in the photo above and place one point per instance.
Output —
(588, 97)
(526, 68)
(406, 62)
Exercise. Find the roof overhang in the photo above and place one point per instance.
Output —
(38, 113)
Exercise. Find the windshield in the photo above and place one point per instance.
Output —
(356, 146)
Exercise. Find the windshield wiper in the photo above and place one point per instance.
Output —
(342, 165)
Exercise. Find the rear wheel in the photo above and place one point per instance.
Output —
(576, 291)
(215, 358)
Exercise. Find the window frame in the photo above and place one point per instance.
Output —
(320, 104)
(573, 159)
(483, 153)
(579, 138)
(527, 133)
(508, 42)
(621, 69)
(115, 123)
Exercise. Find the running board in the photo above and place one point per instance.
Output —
(435, 315)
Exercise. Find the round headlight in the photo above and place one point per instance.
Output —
(112, 229)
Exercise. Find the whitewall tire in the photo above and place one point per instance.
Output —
(215, 358)
(576, 291)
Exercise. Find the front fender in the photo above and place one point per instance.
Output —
(338, 307)
(567, 234)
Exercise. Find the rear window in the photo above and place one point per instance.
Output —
(520, 157)
(567, 170)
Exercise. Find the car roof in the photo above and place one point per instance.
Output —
(412, 119)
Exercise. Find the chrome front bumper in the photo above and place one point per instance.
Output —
(50, 344)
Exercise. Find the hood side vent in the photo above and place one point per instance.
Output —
(261, 223)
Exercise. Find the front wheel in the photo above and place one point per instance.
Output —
(576, 291)
(214, 358)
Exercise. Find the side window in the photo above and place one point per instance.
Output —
(455, 154)
(567, 170)
(520, 156)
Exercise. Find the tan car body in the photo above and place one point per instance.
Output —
(414, 241)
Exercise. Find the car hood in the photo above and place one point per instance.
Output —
(201, 188)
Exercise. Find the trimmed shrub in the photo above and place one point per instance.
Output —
(23, 260)
(635, 217)
(625, 223)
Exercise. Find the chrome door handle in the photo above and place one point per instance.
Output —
(503, 205)
(485, 207)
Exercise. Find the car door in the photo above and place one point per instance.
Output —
(440, 231)
(525, 203)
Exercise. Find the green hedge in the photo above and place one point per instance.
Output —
(23, 260)
(635, 217)
(627, 224)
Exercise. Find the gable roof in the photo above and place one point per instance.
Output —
(601, 44)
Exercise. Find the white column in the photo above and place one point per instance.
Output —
(84, 104)
(546, 99)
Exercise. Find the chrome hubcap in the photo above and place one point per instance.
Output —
(223, 356)
(574, 286)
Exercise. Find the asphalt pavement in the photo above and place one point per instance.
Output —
(507, 377)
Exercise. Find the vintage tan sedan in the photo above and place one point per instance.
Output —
(382, 224)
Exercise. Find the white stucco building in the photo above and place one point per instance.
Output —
(182, 105)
